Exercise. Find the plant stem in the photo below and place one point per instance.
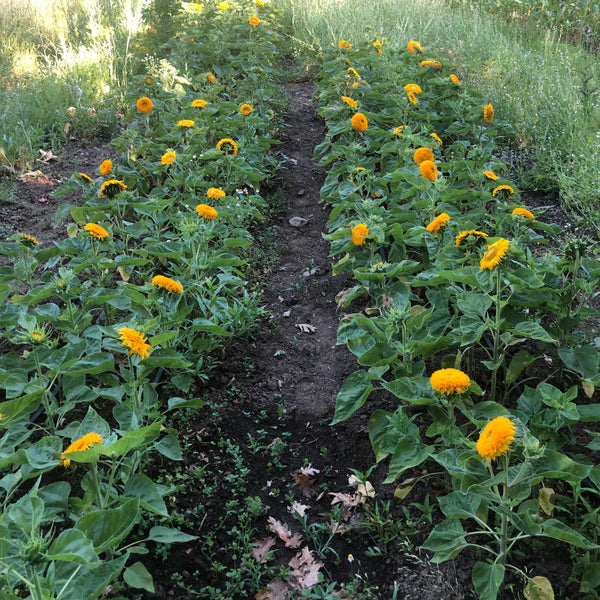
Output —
(496, 337)
(45, 399)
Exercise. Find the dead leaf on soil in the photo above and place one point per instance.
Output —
(306, 327)
(277, 590)
(259, 552)
(305, 480)
(291, 540)
(299, 508)
(305, 569)
(309, 470)
(46, 155)
(364, 489)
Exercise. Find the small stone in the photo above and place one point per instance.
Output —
(301, 193)
(297, 221)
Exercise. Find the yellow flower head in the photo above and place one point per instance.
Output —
(359, 234)
(494, 254)
(207, 212)
(144, 105)
(260, 2)
(211, 78)
(149, 80)
(438, 223)
(345, 45)
(414, 47)
(37, 336)
(413, 87)
(106, 167)
(523, 212)
(398, 130)
(450, 381)
(135, 341)
(224, 5)
(463, 234)
(359, 122)
(503, 189)
(166, 283)
(28, 240)
(454, 78)
(350, 101)
(86, 178)
(198, 103)
(437, 138)
(488, 113)
(112, 187)
(185, 123)
(83, 443)
(426, 63)
(215, 193)
(246, 109)
(412, 98)
(496, 438)
(429, 170)
(229, 142)
(353, 73)
(490, 175)
(168, 158)
(377, 45)
(254, 21)
(422, 154)
(96, 231)
(436, 65)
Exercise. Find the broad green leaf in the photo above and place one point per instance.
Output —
(73, 546)
(137, 576)
(100, 362)
(520, 361)
(559, 531)
(409, 452)
(166, 535)
(169, 446)
(446, 540)
(177, 402)
(131, 440)
(142, 487)
(555, 465)
(352, 395)
(27, 512)
(487, 579)
(533, 330)
(458, 505)
(582, 359)
(416, 390)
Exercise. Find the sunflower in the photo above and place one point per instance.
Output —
(229, 141)
(198, 103)
(377, 45)
(437, 138)
(260, 2)
(83, 443)
(28, 240)
(224, 5)
(463, 234)
(86, 178)
(422, 154)
(207, 212)
(426, 63)
(211, 78)
(429, 170)
(523, 212)
(246, 109)
(412, 98)
(254, 21)
(438, 223)
(503, 189)
(353, 73)
(436, 65)
(398, 130)
(359, 234)
(350, 101)
(414, 47)
(135, 341)
(149, 80)
(168, 158)
(490, 175)
(106, 167)
(167, 284)
(488, 113)
(96, 231)
(450, 381)
(413, 87)
(359, 122)
(215, 193)
(112, 187)
(144, 105)
(494, 254)
(496, 438)
(454, 78)
(345, 45)
(185, 123)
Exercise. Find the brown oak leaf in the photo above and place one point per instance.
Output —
(291, 540)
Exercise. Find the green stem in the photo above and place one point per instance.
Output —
(496, 354)
(503, 544)
(94, 472)
(45, 400)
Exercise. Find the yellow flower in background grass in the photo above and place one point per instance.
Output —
(198, 103)
(490, 175)
(426, 63)
(398, 130)
(437, 138)
(414, 47)
(503, 190)
(436, 65)
(359, 234)
(96, 231)
(438, 223)
(488, 113)
(260, 2)
(28, 240)
(246, 109)
(207, 212)
(168, 158)
(454, 78)
(229, 142)
(377, 45)
(523, 212)
(345, 45)
(144, 105)
(496, 438)
(149, 80)
(185, 123)
(215, 193)
(87, 178)
(135, 341)
(224, 5)
(112, 187)
(463, 234)
(494, 254)
(166, 283)
(350, 102)
(429, 170)
(359, 122)
(211, 78)
(254, 21)
(422, 154)
(413, 87)
(412, 98)
(106, 167)
(353, 73)
(450, 381)
(83, 443)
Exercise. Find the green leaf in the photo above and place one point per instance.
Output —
(458, 505)
(446, 540)
(132, 440)
(487, 579)
(137, 576)
(142, 487)
(416, 390)
(166, 535)
(533, 330)
(555, 465)
(409, 453)
(352, 395)
(539, 588)
(27, 512)
(583, 360)
(100, 362)
(177, 402)
(520, 361)
(557, 530)
(169, 446)
(73, 546)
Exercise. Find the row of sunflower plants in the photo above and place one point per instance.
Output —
(110, 330)
(474, 319)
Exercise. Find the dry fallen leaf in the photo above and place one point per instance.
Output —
(277, 590)
(364, 489)
(259, 552)
(309, 470)
(284, 533)
(305, 481)
(305, 569)
(298, 508)
(306, 327)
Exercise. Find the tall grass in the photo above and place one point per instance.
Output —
(546, 87)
